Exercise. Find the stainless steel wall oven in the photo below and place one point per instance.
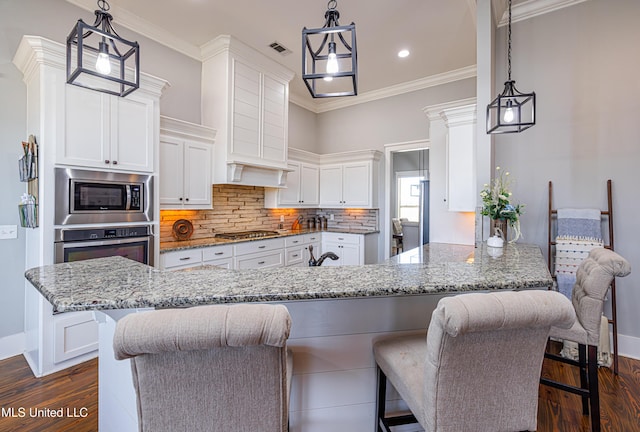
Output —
(98, 197)
(77, 244)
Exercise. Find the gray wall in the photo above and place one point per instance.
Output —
(303, 128)
(583, 63)
(54, 19)
(386, 121)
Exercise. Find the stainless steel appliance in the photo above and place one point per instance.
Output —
(241, 235)
(77, 244)
(90, 197)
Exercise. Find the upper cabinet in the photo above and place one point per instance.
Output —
(186, 151)
(105, 131)
(245, 97)
(333, 180)
(302, 188)
(353, 183)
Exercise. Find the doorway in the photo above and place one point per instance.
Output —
(406, 195)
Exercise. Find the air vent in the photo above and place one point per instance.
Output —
(281, 49)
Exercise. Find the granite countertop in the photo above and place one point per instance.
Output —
(171, 246)
(120, 283)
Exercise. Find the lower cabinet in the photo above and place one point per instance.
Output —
(220, 256)
(259, 254)
(348, 247)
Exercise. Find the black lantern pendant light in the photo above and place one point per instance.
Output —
(99, 59)
(512, 111)
(331, 69)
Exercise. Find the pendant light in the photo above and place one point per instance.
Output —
(511, 111)
(99, 59)
(331, 69)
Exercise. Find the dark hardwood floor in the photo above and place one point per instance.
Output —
(75, 391)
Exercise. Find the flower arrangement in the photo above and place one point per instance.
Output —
(496, 202)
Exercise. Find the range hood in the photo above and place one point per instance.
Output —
(250, 174)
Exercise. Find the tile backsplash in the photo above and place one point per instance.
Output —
(240, 208)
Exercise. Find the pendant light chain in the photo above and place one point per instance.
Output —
(509, 49)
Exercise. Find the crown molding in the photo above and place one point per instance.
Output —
(187, 130)
(534, 8)
(135, 23)
(407, 87)
(435, 112)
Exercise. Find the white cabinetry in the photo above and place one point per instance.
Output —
(352, 249)
(185, 165)
(245, 96)
(302, 187)
(346, 185)
(105, 131)
(219, 256)
(297, 249)
(348, 247)
(259, 254)
(82, 128)
(461, 158)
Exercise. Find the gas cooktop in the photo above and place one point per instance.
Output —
(239, 235)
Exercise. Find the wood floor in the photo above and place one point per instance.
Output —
(75, 391)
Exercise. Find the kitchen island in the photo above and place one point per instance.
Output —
(336, 313)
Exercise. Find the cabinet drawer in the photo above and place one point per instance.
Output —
(342, 238)
(296, 240)
(181, 259)
(216, 253)
(258, 246)
(312, 238)
(295, 255)
(254, 261)
(225, 263)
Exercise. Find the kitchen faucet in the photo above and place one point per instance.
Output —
(317, 263)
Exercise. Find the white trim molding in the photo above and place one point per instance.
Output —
(12, 345)
(533, 8)
(629, 346)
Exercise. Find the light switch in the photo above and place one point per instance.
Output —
(8, 232)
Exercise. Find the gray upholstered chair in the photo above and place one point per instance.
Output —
(478, 368)
(209, 368)
(593, 278)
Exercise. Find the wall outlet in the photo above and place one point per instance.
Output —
(331, 216)
(8, 232)
(281, 218)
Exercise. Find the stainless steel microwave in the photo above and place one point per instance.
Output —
(92, 197)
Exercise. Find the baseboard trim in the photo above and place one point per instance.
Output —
(12, 345)
(629, 346)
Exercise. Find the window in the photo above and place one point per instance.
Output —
(409, 197)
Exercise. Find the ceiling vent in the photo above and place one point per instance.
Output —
(280, 49)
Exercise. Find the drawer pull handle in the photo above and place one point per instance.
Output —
(185, 258)
(262, 247)
(260, 262)
(219, 253)
(295, 255)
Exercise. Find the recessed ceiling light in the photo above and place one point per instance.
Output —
(403, 53)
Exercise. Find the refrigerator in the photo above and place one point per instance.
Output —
(423, 219)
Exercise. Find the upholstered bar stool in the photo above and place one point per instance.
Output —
(209, 368)
(593, 278)
(478, 368)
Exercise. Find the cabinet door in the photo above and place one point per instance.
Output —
(274, 127)
(86, 129)
(349, 254)
(171, 172)
(132, 133)
(309, 184)
(356, 184)
(291, 194)
(197, 174)
(330, 246)
(245, 133)
(331, 186)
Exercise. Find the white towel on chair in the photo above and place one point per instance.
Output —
(605, 357)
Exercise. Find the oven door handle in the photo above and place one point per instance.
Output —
(105, 242)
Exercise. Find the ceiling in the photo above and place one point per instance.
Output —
(440, 35)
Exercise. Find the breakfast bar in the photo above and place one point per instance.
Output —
(336, 313)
